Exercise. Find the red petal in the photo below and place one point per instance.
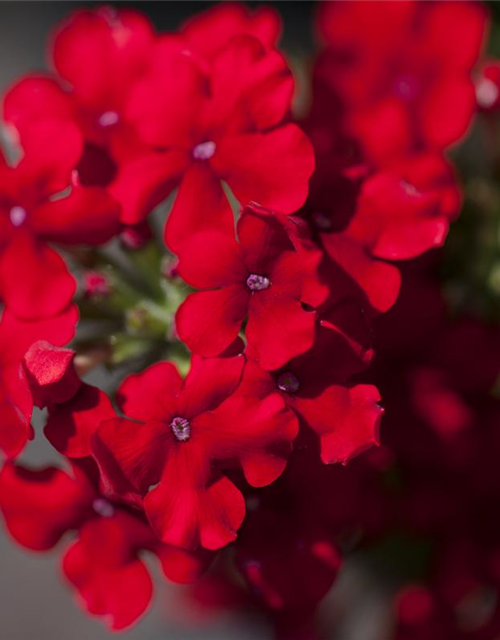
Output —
(278, 328)
(465, 26)
(166, 105)
(208, 31)
(184, 514)
(52, 150)
(209, 321)
(131, 455)
(15, 428)
(150, 395)
(124, 39)
(145, 182)
(251, 88)
(200, 205)
(34, 280)
(447, 111)
(181, 566)
(211, 260)
(263, 239)
(35, 98)
(86, 216)
(272, 168)
(347, 420)
(50, 373)
(71, 425)
(40, 506)
(378, 280)
(209, 382)
(262, 440)
(119, 591)
(16, 335)
(395, 220)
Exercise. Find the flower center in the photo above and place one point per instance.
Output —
(408, 188)
(288, 382)
(108, 119)
(406, 88)
(257, 283)
(17, 216)
(181, 429)
(103, 508)
(204, 150)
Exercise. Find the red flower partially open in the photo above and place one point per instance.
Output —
(16, 401)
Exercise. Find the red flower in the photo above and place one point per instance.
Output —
(346, 419)
(41, 506)
(263, 278)
(16, 403)
(99, 54)
(40, 203)
(207, 126)
(403, 70)
(187, 434)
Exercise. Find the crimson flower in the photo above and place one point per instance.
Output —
(103, 564)
(263, 278)
(209, 126)
(183, 437)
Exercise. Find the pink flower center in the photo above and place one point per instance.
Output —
(257, 283)
(204, 150)
(406, 88)
(288, 382)
(108, 119)
(181, 429)
(103, 508)
(17, 216)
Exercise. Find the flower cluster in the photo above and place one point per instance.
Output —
(280, 253)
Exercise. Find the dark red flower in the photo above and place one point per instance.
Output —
(263, 278)
(403, 70)
(346, 419)
(184, 435)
